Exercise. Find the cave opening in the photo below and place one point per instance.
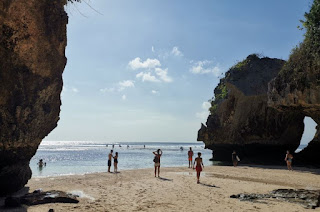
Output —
(308, 133)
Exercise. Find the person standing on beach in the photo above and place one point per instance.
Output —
(235, 158)
(110, 156)
(115, 162)
(288, 159)
(199, 166)
(190, 154)
(156, 160)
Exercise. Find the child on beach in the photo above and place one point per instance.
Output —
(156, 161)
(199, 166)
(288, 159)
(190, 154)
(115, 162)
(110, 156)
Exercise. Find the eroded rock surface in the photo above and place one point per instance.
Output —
(306, 198)
(241, 119)
(32, 59)
(297, 87)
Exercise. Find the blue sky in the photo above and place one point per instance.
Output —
(143, 70)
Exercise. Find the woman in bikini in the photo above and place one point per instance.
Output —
(115, 162)
(156, 161)
(199, 166)
(288, 159)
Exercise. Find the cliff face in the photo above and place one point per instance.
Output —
(32, 59)
(241, 119)
(297, 87)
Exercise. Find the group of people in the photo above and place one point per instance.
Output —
(115, 161)
(197, 163)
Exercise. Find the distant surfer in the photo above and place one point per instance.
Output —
(112, 146)
(288, 159)
(181, 148)
(199, 166)
(144, 146)
(190, 155)
(110, 156)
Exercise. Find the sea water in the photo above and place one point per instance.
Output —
(81, 157)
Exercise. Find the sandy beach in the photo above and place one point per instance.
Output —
(177, 190)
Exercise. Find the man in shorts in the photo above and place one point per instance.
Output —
(110, 156)
(190, 154)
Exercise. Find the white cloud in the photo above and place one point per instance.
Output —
(152, 49)
(176, 52)
(125, 84)
(206, 105)
(163, 74)
(147, 77)
(205, 111)
(147, 64)
(154, 92)
(119, 87)
(202, 115)
(124, 97)
(75, 90)
(204, 67)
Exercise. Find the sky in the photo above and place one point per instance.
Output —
(144, 70)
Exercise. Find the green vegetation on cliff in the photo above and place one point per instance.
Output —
(305, 58)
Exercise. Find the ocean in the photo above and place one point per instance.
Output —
(81, 157)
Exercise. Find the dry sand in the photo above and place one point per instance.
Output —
(177, 190)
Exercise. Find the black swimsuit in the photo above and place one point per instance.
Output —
(115, 160)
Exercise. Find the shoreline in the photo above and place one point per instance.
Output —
(276, 167)
(176, 189)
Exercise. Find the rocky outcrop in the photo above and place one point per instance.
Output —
(32, 59)
(241, 120)
(41, 197)
(297, 87)
(306, 198)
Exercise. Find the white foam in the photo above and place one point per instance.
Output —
(81, 194)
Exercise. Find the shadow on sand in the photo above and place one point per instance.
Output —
(164, 179)
(210, 186)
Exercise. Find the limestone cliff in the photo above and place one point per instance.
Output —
(32, 59)
(241, 119)
(297, 87)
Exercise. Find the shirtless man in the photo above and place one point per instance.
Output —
(190, 154)
(199, 166)
(110, 156)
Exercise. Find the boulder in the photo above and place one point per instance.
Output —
(32, 59)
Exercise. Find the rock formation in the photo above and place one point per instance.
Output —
(297, 87)
(241, 120)
(32, 59)
(306, 198)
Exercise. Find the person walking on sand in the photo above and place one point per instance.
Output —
(190, 154)
(199, 166)
(235, 158)
(110, 156)
(288, 159)
(115, 162)
(156, 160)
